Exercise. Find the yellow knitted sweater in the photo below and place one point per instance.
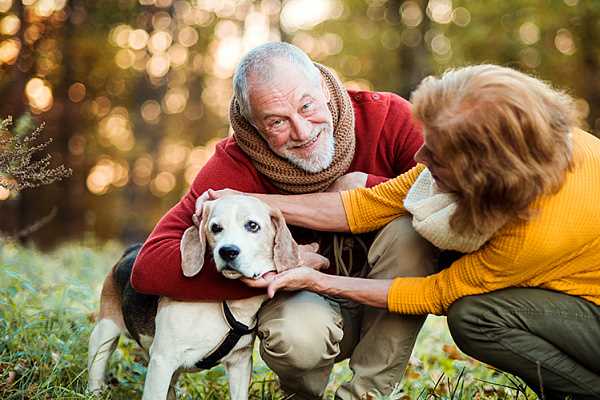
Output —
(557, 249)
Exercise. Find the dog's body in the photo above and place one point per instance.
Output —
(248, 239)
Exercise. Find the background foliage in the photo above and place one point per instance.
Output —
(135, 92)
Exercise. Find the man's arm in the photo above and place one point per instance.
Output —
(157, 269)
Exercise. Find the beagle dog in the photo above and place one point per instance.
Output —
(247, 239)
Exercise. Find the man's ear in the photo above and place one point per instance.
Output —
(285, 251)
(193, 242)
(325, 90)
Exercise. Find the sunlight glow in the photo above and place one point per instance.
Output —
(306, 14)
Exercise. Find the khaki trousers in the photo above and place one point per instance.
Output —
(303, 334)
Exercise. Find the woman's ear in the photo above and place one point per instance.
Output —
(285, 250)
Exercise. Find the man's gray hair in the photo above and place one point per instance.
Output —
(260, 62)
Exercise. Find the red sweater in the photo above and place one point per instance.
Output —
(386, 141)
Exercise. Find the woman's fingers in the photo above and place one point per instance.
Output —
(292, 279)
(261, 282)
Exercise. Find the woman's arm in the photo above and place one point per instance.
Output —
(373, 292)
(318, 211)
(359, 210)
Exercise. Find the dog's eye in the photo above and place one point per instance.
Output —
(216, 228)
(252, 226)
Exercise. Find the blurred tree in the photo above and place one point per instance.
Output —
(136, 92)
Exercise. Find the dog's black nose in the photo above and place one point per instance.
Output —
(229, 253)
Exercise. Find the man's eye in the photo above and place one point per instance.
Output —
(216, 228)
(252, 226)
(277, 123)
(307, 106)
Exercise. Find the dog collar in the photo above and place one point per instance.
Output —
(236, 331)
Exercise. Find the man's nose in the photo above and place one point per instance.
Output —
(301, 129)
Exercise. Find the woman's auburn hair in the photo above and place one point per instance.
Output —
(503, 137)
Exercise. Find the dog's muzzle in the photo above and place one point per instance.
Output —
(229, 252)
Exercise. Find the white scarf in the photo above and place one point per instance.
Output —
(432, 209)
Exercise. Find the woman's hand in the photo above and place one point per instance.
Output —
(292, 279)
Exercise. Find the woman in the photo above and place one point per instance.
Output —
(524, 186)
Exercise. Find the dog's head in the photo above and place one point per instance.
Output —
(246, 236)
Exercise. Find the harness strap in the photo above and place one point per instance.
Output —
(236, 331)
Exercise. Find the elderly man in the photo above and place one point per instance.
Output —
(297, 130)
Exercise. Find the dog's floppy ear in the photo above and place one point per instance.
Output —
(193, 241)
(285, 251)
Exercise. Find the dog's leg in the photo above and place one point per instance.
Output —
(172, 395)
(158, 378)
(239, 371)
(103, 341)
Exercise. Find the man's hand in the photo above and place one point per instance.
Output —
(310, 258)
(217, 194)
(349, 181)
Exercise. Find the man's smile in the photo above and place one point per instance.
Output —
(309, 143)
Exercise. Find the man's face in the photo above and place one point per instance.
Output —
(290, 112)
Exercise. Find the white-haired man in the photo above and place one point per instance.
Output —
(297, 130)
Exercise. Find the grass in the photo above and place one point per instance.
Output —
(47, 309)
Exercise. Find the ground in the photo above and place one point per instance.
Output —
(48, 303)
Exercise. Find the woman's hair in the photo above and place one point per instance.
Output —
(503, 137)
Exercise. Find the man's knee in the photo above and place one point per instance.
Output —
(304, 339)
(401, 251)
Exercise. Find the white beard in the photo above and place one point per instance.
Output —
(318, 160)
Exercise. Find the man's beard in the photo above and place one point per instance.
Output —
(319, 159)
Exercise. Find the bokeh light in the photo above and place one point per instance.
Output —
(142, 170)
(5, 5)
(163, 183)
(10, 25)
(77, 92)
(306, 14)
(461, 16)
(9, 51)
(529, 33)
(440, 11)
(115, 130)
(4, 193)
(159, 42)
(137, 39)
(158, 65)
(411, 14)
(151, 111)
(188, 36)
(39, 95)
(564, 42)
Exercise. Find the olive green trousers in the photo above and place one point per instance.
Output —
(551, 340)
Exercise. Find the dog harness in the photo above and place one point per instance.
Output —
(236, 331)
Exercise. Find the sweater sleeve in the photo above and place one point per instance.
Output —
(157, 269)
(501, 263)
(369, 209)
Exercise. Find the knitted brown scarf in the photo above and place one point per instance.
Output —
(283, 174)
